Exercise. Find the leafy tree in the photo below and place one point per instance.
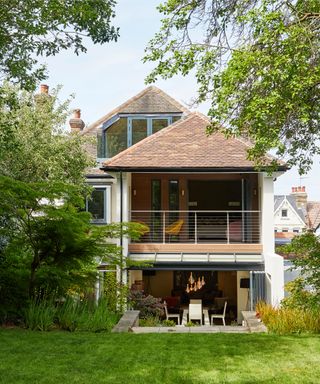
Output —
(305, 252)
(34, 145)
(46, 239)
(30, 29)
(50, 240)
(257, 61)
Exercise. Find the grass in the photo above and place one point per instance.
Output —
(62, 357)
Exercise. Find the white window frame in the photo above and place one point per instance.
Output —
(107, 204)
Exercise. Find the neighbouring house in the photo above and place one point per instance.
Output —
(294, 214)
(207, 210)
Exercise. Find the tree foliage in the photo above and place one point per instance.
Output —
(30, 29)
(306, 251)
(34, 145)
(257, 61)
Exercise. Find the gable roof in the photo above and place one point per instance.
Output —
(280, 199)
(185, 146)
(150, 100)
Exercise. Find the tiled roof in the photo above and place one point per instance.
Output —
(313, 214)
(91, 172)
(184, 144)
(150, 100)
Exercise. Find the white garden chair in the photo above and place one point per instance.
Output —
(195, 312)
(220, 316)
(171, 315)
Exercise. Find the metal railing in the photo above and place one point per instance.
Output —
(224, 227)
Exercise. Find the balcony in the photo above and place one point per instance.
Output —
(199, 227)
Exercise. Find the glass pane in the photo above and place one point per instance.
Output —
(175, 118)
(100, 145)
(139, 130)
(158, 124)
(96, 205)
(156, 195)
(116, 137)
(156, 226)
(173, 200)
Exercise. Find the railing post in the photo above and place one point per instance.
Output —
(195, 228)
(164, 227)
(228, 229)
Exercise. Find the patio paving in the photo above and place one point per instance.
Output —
(196, 329)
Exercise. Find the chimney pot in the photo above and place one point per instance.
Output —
(77, 114)
(76, 123)
(292, 189)
(44, 88)
(303, 189)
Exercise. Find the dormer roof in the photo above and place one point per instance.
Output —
(185, 146)
(151, 100)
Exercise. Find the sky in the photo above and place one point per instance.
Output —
(109, 74)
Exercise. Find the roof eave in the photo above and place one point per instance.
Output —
(187, 169)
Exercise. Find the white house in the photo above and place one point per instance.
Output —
(208, 211)
(294, 214)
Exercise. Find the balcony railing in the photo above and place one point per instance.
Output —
(224, 227)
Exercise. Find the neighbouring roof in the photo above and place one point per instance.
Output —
(151, 100)
(97, 173)
(310, 215)
(185, 145)
(313, 214)
(279, 199)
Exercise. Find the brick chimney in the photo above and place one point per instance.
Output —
(300, 196)
(76, 123)
(43, 94)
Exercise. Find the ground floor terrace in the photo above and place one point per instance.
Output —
(213, 288)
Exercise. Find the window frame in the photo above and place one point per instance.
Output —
(149, 117)
(107, 204)
(284, 210)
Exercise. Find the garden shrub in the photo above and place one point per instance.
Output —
(148, 305)
(285, 320)
(40, 314)
(70, 315)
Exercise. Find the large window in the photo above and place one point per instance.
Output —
(98, 205)
(127, 131)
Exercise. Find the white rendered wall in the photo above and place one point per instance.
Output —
(267, 209)
(273, 263)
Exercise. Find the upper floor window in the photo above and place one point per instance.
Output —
(125, 131)
(99, 205)
(284, 213)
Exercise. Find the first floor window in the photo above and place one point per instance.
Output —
(97, 205)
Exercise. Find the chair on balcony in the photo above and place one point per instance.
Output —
(171, 315)
(220, 316)
(195, 312)
(174, 228)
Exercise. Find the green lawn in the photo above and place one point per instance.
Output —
(58, 357)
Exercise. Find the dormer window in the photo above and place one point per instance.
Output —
(123, 131)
